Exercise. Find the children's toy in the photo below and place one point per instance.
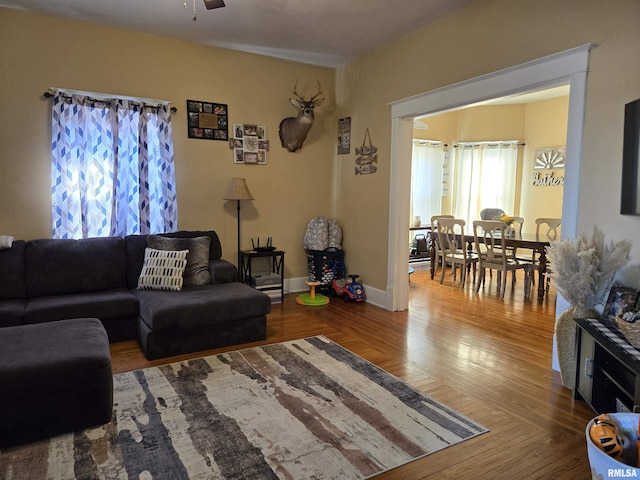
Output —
(312, 298)
(352, 290)
(604, 433)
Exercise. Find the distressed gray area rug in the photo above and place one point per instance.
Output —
(305, 409)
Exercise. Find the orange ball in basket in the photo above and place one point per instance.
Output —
(604, 433)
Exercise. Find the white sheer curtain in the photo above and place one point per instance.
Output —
(485, 177)
(426, 180)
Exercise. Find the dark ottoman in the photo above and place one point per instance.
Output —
(54, 378)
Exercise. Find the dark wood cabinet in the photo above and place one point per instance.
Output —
(608, 368)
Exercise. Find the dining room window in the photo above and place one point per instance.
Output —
(484, 176)
(426, 180)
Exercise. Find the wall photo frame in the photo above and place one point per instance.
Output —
(621, 299)
(249, 144)
(207, 120)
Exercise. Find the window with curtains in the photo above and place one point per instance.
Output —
(426, 180)
(112, 167)
(484, 177)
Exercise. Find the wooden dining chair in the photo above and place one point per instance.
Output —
(551, 225)
(454, 248)
(516, 225)
(434, 240)
(546, 227)
(489, 237)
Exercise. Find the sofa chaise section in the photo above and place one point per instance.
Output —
(222, 313)
(201, 318)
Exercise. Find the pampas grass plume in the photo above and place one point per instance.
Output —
(584, 269)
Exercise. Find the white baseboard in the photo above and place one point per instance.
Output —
(374, 296)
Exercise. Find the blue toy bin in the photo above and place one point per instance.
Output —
(602, 465)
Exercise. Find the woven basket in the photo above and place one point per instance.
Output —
(631, 331)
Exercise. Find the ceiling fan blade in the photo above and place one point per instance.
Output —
(211, 4)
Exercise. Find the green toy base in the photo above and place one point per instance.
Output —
(306, 299)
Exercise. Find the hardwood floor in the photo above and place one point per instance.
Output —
(488, 359)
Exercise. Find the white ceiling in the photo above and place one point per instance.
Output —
(319, 32)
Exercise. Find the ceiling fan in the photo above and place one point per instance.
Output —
(210, 4)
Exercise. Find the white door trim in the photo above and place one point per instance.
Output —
(570, 66)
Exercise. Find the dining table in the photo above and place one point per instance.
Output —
(530, 241)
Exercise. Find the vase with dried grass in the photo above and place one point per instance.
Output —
(583, 272)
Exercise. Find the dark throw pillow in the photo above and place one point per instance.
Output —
(197, 269)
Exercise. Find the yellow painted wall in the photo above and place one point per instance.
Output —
(494, 122)
(485, 37)
(37, 52)
(546, 126)
(439, 127)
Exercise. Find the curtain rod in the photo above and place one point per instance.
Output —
(107, 98)
(490, 144)
(430, 142)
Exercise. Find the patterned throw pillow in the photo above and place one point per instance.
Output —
(162, 269)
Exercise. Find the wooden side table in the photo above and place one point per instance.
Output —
(267, 281)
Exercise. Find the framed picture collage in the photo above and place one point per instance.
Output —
(249, 144)
(207, 121)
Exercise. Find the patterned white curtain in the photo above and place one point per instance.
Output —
(112, 168)
(426, 180)
(485, 177)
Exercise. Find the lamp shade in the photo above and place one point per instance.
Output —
(238, 190)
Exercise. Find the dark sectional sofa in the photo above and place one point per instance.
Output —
(51, 279)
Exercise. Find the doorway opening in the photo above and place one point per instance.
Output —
(569, 67)
(485, 156)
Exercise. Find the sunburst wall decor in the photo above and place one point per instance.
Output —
(548, 158)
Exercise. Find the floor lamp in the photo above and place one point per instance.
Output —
(238, 190)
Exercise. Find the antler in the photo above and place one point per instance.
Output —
(295, 90)
(317, 94)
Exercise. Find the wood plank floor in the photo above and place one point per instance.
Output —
(487, 358)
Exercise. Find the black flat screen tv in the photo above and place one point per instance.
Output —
(629, 198)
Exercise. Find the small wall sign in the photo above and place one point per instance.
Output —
(367, 156)
(547, 180)
(344, 136)
(548, 158)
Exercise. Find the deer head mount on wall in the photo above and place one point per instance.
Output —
(293, 130)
